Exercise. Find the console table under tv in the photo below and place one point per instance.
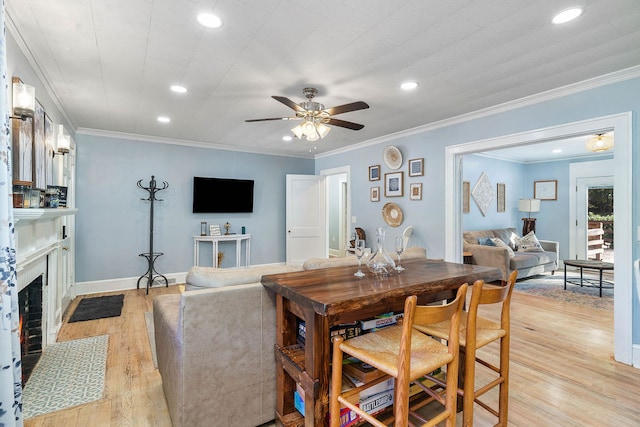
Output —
(214, 240)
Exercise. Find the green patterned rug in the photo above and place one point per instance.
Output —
(553, 287)
(69, 373)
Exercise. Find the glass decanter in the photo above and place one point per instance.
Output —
(380, 263)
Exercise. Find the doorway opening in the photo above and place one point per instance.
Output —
(600, 244)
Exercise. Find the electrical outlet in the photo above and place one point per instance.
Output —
(353, 219)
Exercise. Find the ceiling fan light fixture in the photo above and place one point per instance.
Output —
(323, 130)
(599, 143)
(313, 137)
(309, 128)
(297, 131)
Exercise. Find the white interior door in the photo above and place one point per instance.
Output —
(306, 223)
(582, 176)
(582, 209)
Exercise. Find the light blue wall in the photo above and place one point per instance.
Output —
(113, 222)
(427, 216)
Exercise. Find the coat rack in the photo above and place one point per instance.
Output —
(151, 256)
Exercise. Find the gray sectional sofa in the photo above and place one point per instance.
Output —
(527, 263)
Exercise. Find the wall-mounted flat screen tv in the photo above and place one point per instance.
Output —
(221, 195)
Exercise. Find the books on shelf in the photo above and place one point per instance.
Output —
(360, 370)
(381, 321)
(347, 330)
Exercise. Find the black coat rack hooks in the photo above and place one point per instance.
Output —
(151, 275)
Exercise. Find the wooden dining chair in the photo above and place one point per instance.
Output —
(405, 354)
(476, 332)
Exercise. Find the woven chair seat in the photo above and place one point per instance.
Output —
(382, 350)
(486, 330)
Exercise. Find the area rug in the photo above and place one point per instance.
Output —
(98, 308)
(69, 373)
(148, 318)
(553, 287)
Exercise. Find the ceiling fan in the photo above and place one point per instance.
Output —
(315, 117)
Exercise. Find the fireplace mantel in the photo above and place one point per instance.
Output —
(44, 246)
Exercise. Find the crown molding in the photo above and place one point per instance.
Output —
(573, 88)
(182, 142)
(15, 32)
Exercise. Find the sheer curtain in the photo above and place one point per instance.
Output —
(10, 369)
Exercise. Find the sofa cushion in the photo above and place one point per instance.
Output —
(471, 237)
(523, 260)
(487, 241)
(507, 235)
(499, 243)
(529, 243)
(209, 277)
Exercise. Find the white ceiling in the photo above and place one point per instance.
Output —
(110, 62)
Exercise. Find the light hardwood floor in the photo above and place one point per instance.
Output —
(562, 369)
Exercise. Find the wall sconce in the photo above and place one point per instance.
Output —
(64, 141)
(24, 100)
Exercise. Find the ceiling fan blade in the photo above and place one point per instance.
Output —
(289, 103)
(274, 118)
(353, 106)
(345, 124)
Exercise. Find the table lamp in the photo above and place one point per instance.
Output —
(528, 205)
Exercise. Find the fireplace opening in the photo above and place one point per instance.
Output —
(30, 307)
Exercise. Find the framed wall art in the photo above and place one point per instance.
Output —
(374, 173)
(374, 194)
(483, 193)
(415, 191)
(501, 188)
(545, 190)
(416, 167)
(48, 142)
(39, 150)
(466, 194)
(394, 184)
(22, 134)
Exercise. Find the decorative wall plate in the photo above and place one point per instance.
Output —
(483, 194)
(392, 214)
(392, 157)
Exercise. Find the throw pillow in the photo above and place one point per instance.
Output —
(499, 243)
(529, 243)
(486, 241)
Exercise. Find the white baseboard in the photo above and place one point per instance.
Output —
(127, 283)
(122, 284)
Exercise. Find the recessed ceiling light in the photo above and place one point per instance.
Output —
(209, 20)
(557, 150)
(179, 89)
(287, 138)
(567, 15)
(409, 85)
(164, 119)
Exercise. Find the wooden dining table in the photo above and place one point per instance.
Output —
(332, 296)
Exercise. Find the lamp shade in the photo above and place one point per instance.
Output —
(24, 99)
(64, 140)
(529, 205)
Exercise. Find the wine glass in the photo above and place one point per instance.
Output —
(359, 253)
(399, 250)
